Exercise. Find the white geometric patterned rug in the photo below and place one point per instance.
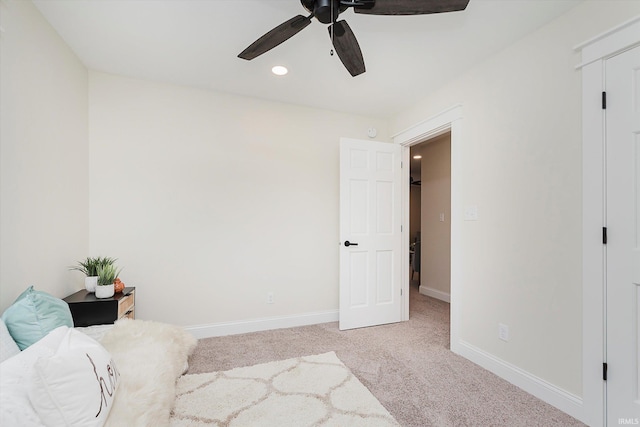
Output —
(306, 391)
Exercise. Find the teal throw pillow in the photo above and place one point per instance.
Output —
(33, 315)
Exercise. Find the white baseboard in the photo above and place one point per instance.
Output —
(434, 293)
(543, 390)
(264, 324)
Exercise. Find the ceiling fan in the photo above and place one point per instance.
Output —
(343, 39)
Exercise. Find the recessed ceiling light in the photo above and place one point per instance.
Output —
(417, 157)
(279, 70)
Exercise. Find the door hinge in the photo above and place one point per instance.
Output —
(400, 291)
(604, 235)
(604, 371)
(604, 100)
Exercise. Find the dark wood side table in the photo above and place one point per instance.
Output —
(88, 310)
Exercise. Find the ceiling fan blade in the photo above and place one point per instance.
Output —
(347, 47)
(412, 7)
(273, 38)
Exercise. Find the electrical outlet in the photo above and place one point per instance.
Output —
(270, 298)
(503, 332)
(441, 216)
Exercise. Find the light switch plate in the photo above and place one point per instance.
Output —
(471, 213)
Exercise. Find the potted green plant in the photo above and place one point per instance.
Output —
(90, 269)
(107, 274)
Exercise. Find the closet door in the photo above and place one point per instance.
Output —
(623, 238)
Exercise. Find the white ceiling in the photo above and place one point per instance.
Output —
(196, 43)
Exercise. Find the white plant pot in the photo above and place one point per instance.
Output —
(104, 291)
(90, 283)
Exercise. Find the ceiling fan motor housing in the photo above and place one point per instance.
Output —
(325, 11)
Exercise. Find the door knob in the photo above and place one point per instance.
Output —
(348, 243)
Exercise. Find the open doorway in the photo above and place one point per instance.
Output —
(430, 217)
(447, 121)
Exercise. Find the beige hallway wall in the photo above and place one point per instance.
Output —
(435, 268)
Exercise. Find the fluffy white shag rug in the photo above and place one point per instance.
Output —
(150, 356)
(306, 391)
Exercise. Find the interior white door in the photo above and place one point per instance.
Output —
(370, 233)
(623, 238)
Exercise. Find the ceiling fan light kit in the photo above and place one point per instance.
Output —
(342, 37)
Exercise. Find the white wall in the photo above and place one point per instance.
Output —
(521, 165)
(44, 190)
(210, 200)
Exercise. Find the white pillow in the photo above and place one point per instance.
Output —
(17, 411)
(15, 376)
(76, 386)
(8, 346)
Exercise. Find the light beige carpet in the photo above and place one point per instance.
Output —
(407, 366)
(305, 391)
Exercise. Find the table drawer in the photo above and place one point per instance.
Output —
(125, 305)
